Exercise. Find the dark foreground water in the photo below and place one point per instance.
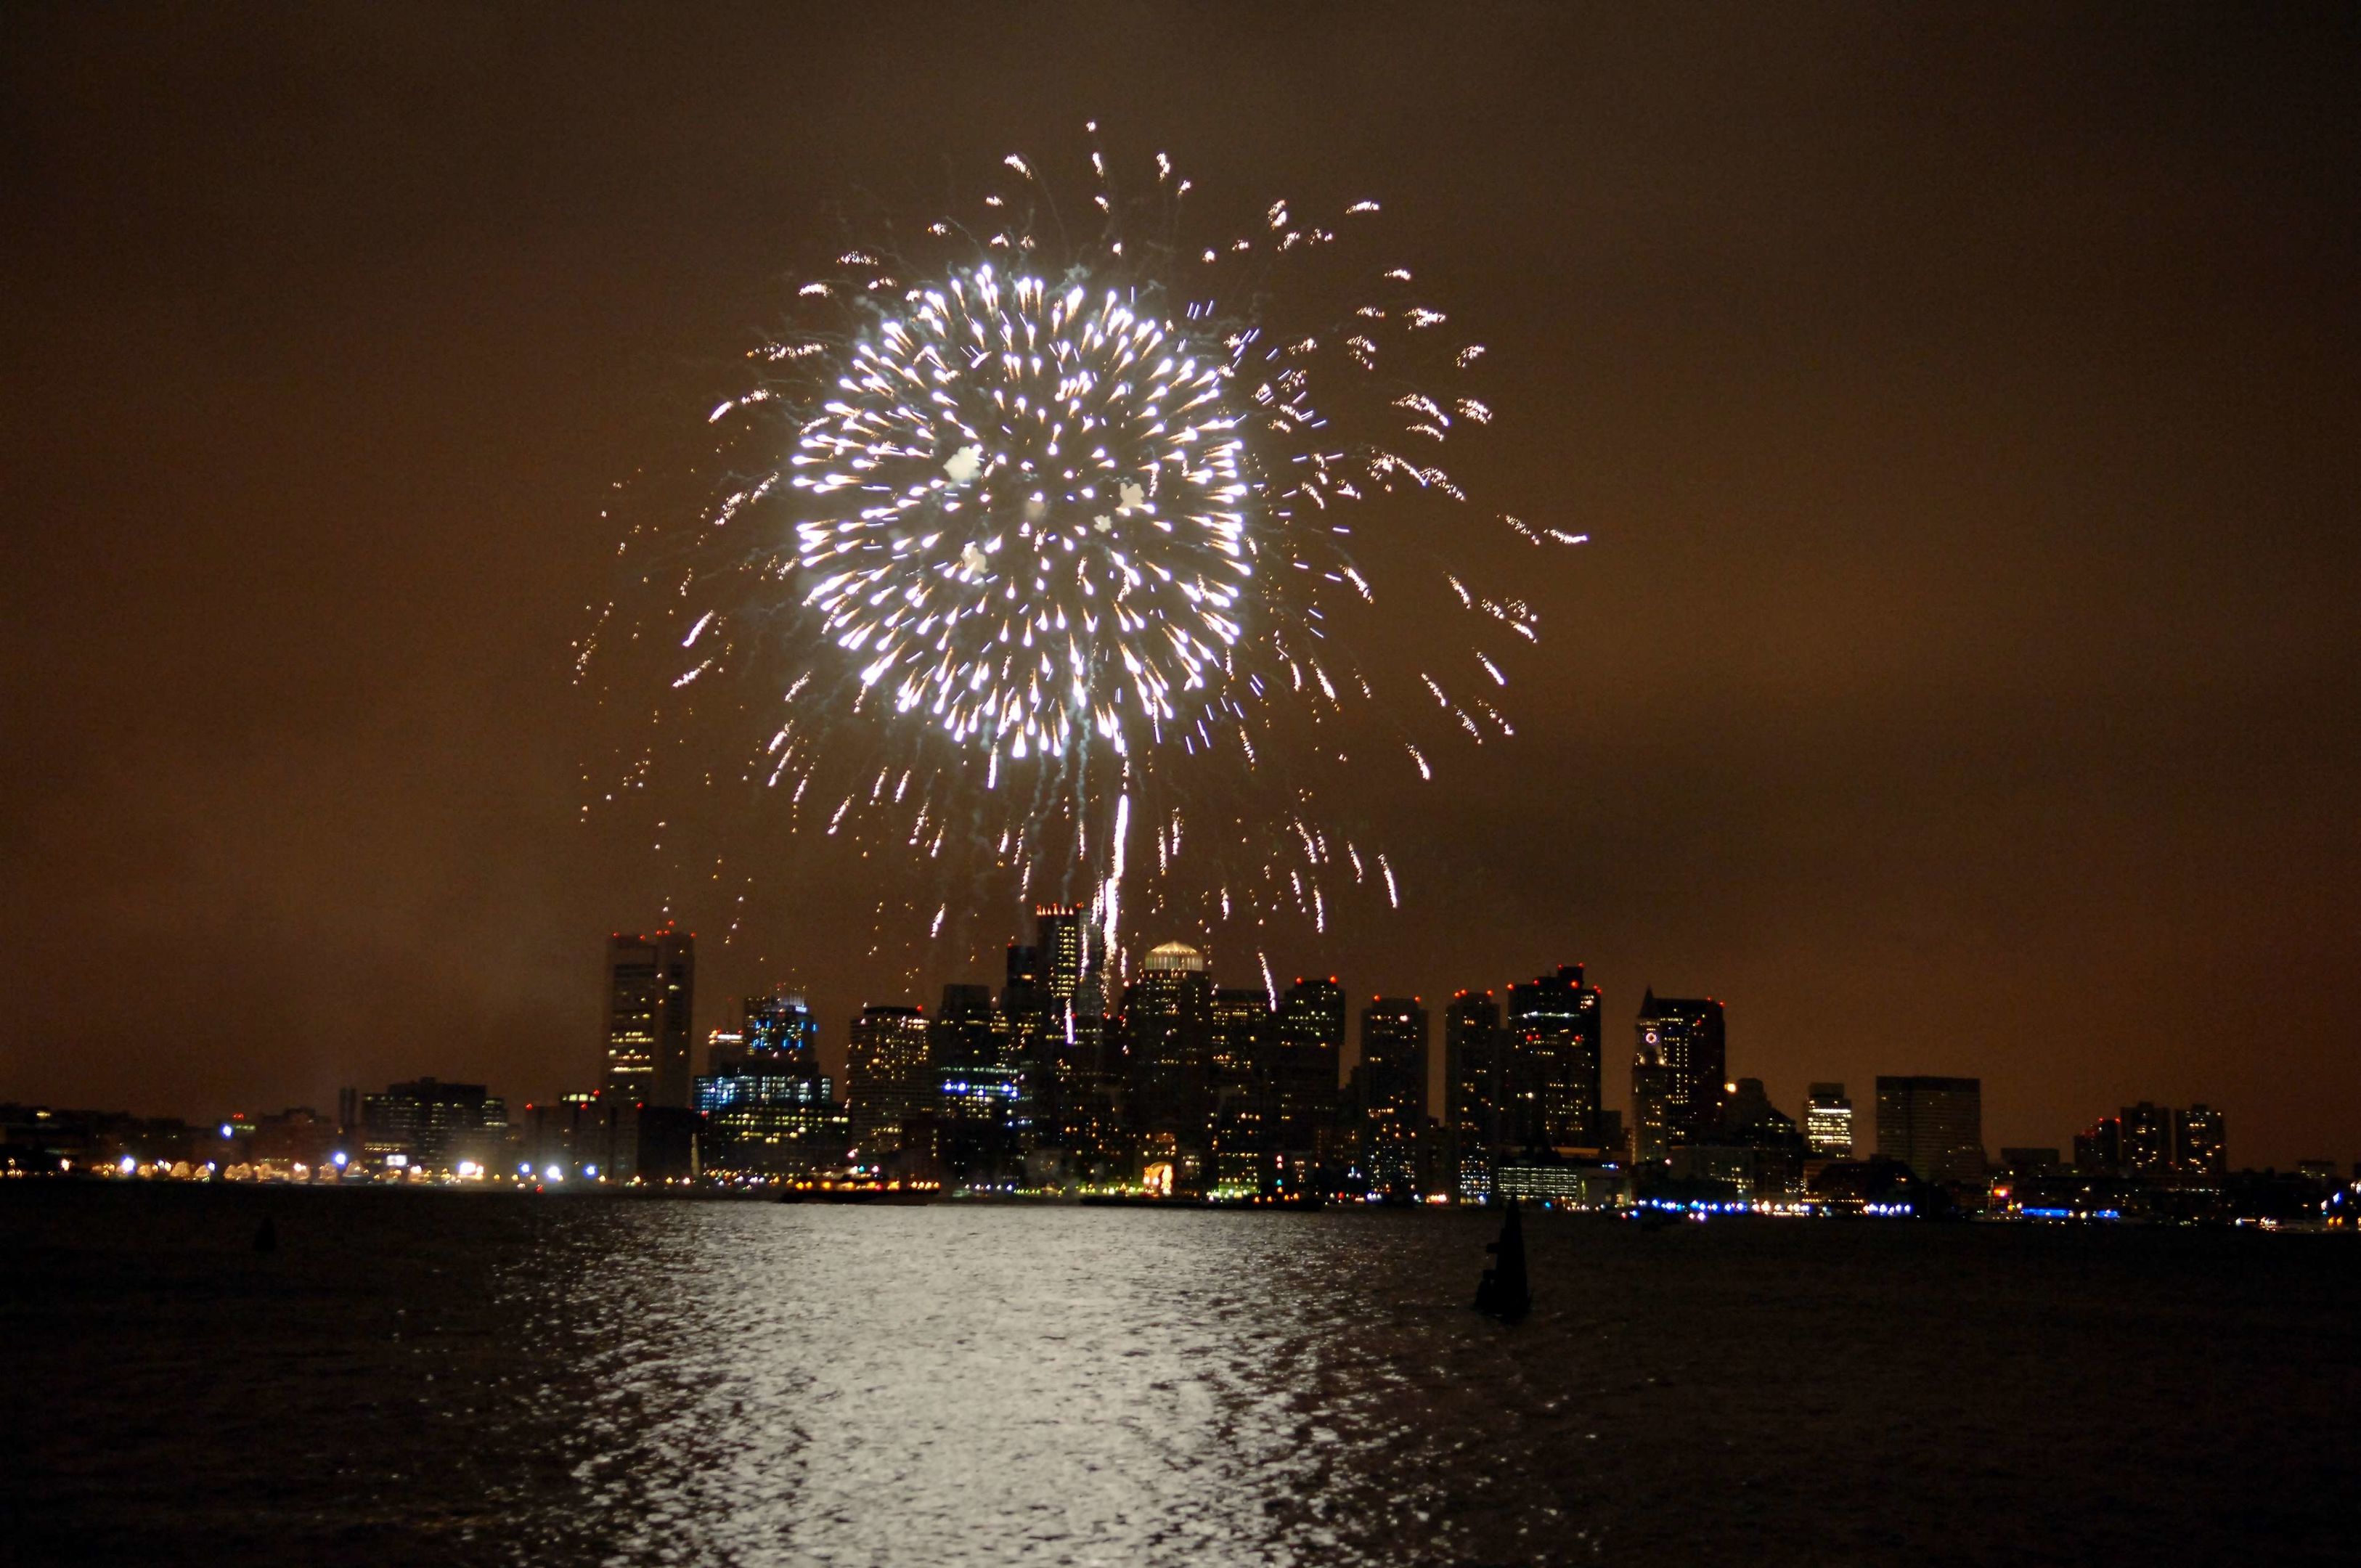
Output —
(434, 1378)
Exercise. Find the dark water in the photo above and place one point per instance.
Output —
(457, 1379)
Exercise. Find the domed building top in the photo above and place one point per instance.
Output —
(1176, 957)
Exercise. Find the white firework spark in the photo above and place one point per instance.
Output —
(1026, 516)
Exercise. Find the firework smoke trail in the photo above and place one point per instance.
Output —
(1023, 527)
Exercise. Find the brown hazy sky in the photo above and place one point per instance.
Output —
(1964, 403)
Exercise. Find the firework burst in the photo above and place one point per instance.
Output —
(1032, 541)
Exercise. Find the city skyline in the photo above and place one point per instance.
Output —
(1482, 1048)
(1954, 679)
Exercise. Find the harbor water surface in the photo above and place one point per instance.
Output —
(462, 1377)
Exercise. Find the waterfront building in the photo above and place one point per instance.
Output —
(1244, 1027)
(979, 1086)
(1475, 1085)
(1311, 1036)
(2146, 1139)
(1553, 1031)
(593, 1137)
(650, 994)
(1751, 1121)
(427, 1125)
(1682, 1053)
(1828, 1121)
(767, 1109)
(2200, 1142)
(1167, 1022)
(889, 1078)
(1934, 1125)
(2099, 1148)
(1654, 1109)
(1563, 1184)
(1390, 1093)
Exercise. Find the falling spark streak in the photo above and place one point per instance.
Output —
(1069, 514)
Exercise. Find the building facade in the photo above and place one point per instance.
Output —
(651, 996)
(1934, 1125)
(889, 1078)
(1390, 1094)
(1552, 1030)
(1828, 1121)
(1678, 1066)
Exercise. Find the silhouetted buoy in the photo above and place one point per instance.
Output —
(1502, 1293)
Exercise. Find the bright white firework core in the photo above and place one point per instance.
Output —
(1029, 515)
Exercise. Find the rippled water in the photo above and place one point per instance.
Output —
(445, 1378)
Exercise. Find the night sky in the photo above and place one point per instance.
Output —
(1963, 406)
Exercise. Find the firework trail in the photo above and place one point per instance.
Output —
(1035, 543)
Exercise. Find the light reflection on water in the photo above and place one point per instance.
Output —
(1002, 1384)
(501, 1380)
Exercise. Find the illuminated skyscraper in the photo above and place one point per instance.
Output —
(1243, 1039)
(1474, 1087)
(1167, 1021)
(1934, 1125)
(979, 1086)
(1681, 1057)
(2148, 1139)
(1655, 1108)
(1552, 1061)
(1828, 1121)
(1066, 949)
(766, 1106)
(2200, 1142)
(650, 993)
(781, 1034)
(1390, 1093)
(890, 1079)
(1311, 1041)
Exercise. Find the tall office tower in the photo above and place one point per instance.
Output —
(1828, 1121)
(1552, 1030)
(2148, 1139)
(1068, 948)
(1655, 1108)
(1684, 1037)
(1934, 1125)
(1243, 1036)
(1389, 1095)
(1085, 1051)
(979, 1087)
(781, 1034)
(890, 1079)
(767, 1107)
(651, 992)
(1475, 1088)
(1310, 1043)
(2200, 1142)
(1168, 1020)
(1025, 1015)
(1024, 974)
(2099, 1148)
